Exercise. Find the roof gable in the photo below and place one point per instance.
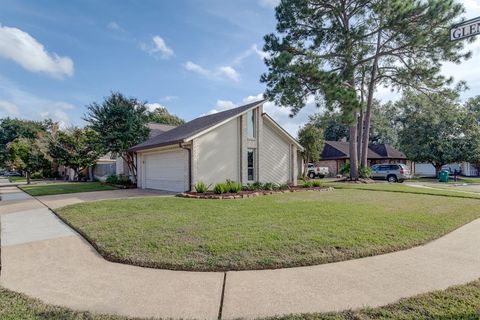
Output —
(197, 126)
(341, 150)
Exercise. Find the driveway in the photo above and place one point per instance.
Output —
(61, 200)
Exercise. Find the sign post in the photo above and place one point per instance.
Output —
(465, 29)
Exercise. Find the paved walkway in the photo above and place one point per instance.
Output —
(44, 258)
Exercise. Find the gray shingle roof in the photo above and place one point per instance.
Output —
(186, 130)
(157, 128)
(340, 150)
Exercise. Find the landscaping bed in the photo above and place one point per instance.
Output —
(281, 230)
(246, 193)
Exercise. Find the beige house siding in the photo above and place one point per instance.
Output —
(216, 154)
(275, 157)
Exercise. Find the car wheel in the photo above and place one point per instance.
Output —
(311, 175)
(392, 178)
(322, 176)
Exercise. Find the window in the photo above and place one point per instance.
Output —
(251, 164)
(251, 124)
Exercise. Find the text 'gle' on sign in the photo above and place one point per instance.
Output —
(465, 29)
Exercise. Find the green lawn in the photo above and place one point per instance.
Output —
(17, 179)
(450, 180)
(455, 303)
(282, 230)
(67, 187)
(402, 188)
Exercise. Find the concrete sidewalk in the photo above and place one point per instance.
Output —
(45, 259)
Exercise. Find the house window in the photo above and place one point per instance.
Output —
(251, 164)
(251, 124)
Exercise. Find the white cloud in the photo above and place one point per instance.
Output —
(8, 108)
(254, 49)
(115, 26)
(170, 98)
(222, 105)
(152, 106)
(224, 72)
(25, 50)
(230, 73)
(269, 3)
(158, 47)
(30, 106)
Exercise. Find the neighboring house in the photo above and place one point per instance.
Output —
(108, 165)
(336, 153)
(464, 169)
(242, 144)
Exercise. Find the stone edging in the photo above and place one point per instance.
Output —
(248, 194)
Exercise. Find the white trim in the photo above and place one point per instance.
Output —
(221, 123)
(277, 126)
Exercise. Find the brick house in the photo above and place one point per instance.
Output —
(335, 154)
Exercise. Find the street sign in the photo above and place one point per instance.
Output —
(465, 29)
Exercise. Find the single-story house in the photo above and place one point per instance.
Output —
(335, 154)
(107, 165)
(242, 144)
(464, 168)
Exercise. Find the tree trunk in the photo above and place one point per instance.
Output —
(353, 152)
(128, 157)
(368, 112)
(360, 134)
(28, 177)
(438, 168)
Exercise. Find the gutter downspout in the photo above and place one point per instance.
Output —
(189, 165)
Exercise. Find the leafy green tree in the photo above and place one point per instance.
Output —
(385, 124)
(384, 127)
(162, 116)
(311, 138)
(339, 51)
(76, 148)
(11, 129)
(410, 44)
(27, 155)
(437, 129)
(120, 123)
(331, 124)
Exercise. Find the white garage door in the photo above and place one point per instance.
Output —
(166, 171)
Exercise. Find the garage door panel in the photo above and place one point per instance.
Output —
(166, 170)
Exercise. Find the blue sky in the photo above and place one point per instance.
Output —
(193, 57)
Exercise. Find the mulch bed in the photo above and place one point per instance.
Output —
(247, 194)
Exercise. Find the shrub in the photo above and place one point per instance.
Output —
(120, 179)
(365, 172)
(257, 186)
(112, 179)
(283, 186)
(36, 175)
(201, 187)
(220, 188)
(267, 186)
(233, 187)
(307, 184)
(316, 183)
(345, 169)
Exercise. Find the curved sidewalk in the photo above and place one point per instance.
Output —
(44, 258)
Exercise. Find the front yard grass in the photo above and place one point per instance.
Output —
(67, 187)
(283, 230)
(458, 302)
